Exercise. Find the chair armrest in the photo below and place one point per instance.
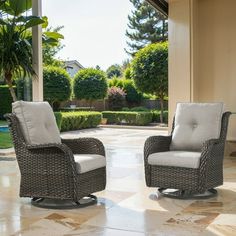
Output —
(85, 146)
(209, 143)
(208, 147)
(59, 146)
(212, 152)
(155, 144)
(55, 156)
(51, 149)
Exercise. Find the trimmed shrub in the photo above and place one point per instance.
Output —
(5, 100)
(140, 109)
(132, 94)
(58, 116)
(56, 85)
(80, 120)
(130, 118)
(155, 113)
(156, 116)
(127, 73)
(69, 109)
(116, 98)
(150, 71)
(116, 82)
(90, 84)
(135, 109)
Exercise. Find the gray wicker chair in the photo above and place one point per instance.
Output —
(182, 182)
(49, 174)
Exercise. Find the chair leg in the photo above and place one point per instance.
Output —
(185, 194)
(63, 204)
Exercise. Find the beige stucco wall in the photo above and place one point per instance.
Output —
(179, 56)
(202, 54)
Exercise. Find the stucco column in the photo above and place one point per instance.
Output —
(37, 83)
(181, 57)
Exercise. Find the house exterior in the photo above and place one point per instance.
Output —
(72, 67)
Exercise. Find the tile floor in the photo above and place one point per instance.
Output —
(127, 207)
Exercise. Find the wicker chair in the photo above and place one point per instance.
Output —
(49, 172)
(179, 180)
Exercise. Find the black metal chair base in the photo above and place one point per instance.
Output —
(64, 204)
(181, 194)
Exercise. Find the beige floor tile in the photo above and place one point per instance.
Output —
(177, 230)
(98, 231)
(220, 230)
(225, 219)
(130, 219)
(148, 200)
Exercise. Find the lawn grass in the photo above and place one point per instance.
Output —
(3, 122)
(5, 140)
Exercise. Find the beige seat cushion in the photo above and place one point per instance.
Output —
(37, 122)
(88, 162)
(175, 158)
(196, 123)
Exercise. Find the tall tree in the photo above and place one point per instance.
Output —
(114, 71)
(146, 25)
(150, 71)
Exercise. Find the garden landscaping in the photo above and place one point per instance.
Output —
(127, 117)
(124, 93)
(75, 120)
(67, 121)
(5, 138)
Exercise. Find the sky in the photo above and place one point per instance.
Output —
(94, 30)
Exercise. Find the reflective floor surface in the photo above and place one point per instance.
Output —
(127, 207)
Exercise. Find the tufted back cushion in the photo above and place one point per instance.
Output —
(194, 124)
(37, 122)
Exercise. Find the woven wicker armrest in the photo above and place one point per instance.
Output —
(156, 144)
(210, 145)
(57, 156)
(41, 147)
(210, 148)
(85, 146)
(210, 142)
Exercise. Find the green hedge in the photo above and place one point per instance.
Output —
(78, 120)
(156, 116)
(58, 116)
(136, 109)
(69, 109)
(5, 100)
(130, 118)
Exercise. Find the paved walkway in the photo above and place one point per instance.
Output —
(116, 138)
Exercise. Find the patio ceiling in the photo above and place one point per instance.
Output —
(160, 5)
